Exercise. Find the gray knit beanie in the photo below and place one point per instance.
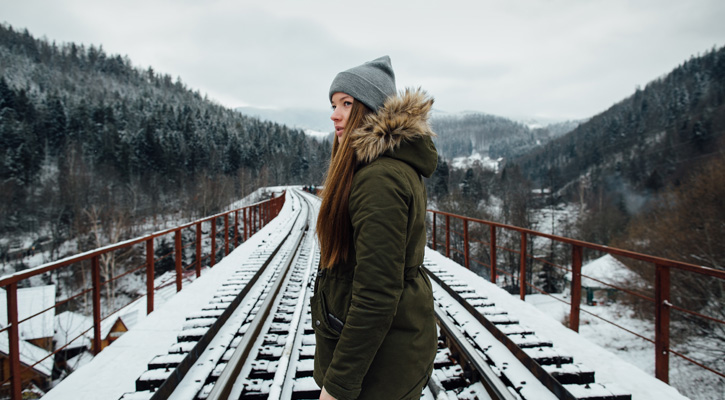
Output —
(370, 83)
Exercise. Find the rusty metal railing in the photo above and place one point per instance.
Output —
(253, 218)
(661, 282)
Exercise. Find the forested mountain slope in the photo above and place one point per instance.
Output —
(86, 136)
(645, 142)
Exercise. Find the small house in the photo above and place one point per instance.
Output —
(597, 275)
(36, 335)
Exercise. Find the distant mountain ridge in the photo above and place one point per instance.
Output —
(470, 133)
(459, 134)
(300, 118)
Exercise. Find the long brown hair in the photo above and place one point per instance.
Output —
(334, 229)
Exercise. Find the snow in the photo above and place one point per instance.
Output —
(258, 195)
(475, 158)
(605, 269)
(610, 368)
(80, 360)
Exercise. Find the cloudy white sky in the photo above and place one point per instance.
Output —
(558, 59)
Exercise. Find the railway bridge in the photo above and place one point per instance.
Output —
(232, 318)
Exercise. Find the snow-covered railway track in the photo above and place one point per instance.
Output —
(527, 365)
(254, 340)
(210, 337)
(275, 362)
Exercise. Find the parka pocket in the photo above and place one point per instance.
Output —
(320, 322)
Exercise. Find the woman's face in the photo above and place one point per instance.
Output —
(341, 106)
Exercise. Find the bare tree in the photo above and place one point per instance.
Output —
(107, 226)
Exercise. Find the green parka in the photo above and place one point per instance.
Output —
(385, 343)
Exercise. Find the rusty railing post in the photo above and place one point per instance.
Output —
(522, 271)
(177, 251)
(260, 217)
(14, 338)
(226, 234)
(149, 275)
(448, 236)
(576, 287)
(96, 276)
(198, 249)
(236, 228)
(433, 231)
(253, 220)
(662, 323)
(493, 254)
(245, 221)
(213, 242)
(466, 246)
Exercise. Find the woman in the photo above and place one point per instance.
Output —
(372, 310)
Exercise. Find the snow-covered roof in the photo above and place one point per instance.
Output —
(69, 325)
(605, 269)
(108, 323)
(30, 302)
(467, 162)
(30, 354)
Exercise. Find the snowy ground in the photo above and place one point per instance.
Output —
(692, 381)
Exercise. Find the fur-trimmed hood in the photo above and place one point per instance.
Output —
(399, 129)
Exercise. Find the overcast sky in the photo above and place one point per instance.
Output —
(558, 59)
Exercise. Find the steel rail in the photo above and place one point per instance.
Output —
(225, 383)
(490, 380)
(279, 384)
(540, 373)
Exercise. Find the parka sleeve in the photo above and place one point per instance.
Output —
(379, 204)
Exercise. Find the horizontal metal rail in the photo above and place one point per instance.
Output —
(661, 283)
